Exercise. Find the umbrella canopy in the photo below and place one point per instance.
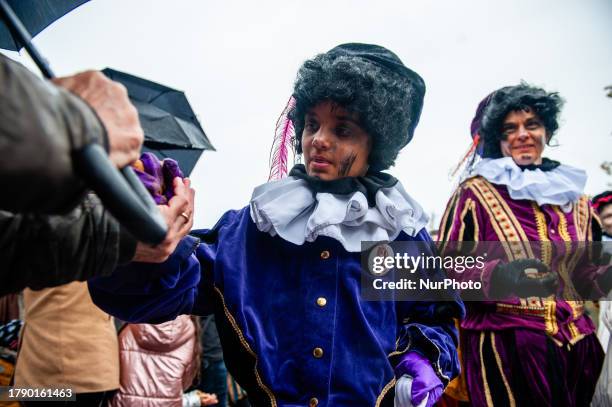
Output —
(35, 16)
(169, 123)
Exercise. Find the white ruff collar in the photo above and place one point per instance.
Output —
(290, 209)
(560, 186)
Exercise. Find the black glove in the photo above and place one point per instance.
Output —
(511, 279)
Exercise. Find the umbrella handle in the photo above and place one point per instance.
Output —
(123, 196)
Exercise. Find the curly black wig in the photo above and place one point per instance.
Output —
(514, 98)
(373, 83)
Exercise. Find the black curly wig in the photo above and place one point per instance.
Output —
(514, 98)
(370, 81)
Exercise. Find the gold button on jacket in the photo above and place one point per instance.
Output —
(325, 254)
(317, 353)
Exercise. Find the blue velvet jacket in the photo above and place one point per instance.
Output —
(293, 326)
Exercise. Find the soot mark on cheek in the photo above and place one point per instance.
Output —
(346, 164)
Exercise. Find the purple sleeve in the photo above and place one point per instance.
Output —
(425, 381)
(465, 220)
(428, 328)
(148, 292)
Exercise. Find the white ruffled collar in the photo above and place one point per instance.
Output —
(562, 185)
(289, 208)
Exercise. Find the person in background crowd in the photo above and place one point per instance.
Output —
(236, 395)
(158, 362)
(10, 328)
(526, 350)
(67, 341)
(9, 308)
(603, 204)
(213, 376)
(9, 344)
(603, 390)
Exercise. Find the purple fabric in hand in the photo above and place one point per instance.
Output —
(149, 171)
(170, 170)
(157, 176)
(425, 380)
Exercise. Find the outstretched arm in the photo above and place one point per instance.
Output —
(149, 292)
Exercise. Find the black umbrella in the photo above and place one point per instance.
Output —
(38, 18)
(170, 125)
(125, 197)
(22, 20)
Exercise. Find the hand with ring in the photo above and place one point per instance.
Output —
(175, 199)
(178, 221)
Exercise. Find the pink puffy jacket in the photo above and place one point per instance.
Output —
(157, 363)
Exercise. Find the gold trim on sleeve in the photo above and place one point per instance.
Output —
(473, 185)
(384, 392)
(499, 199)
(247, 347)
(470, 206)
(501, 371)
(570, 257)
(546, 247)
(484, 372)
(550, 317)
(576, 334)
(444, 234)
(504, 222)
(563, 230)
(581, 218)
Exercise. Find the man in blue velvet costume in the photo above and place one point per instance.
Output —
(282, 275)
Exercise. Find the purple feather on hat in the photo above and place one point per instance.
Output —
(284, 134)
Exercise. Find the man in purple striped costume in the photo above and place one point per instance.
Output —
(525, 350)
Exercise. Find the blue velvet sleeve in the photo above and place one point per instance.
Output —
(155, 293)
(428, 328)
(148, 292)
(434, 336)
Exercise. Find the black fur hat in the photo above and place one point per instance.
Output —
(512, 98)
(372, 82)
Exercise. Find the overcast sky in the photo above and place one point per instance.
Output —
(236, 61)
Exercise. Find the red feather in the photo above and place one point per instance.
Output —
(467, 154)
(282, 145)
